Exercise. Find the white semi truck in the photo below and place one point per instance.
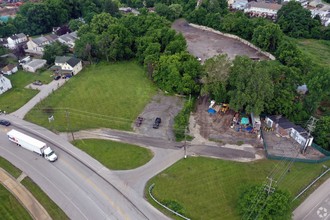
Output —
(32, 144)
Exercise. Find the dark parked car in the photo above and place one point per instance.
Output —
(157, 123)
(57, 77)
(4, 122)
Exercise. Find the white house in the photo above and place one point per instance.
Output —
(15, 40)
(5, 84)
(9, 69)
(262, 9)
(67, 65)
(68, 39)
(34, 65)
(239, 4)
(286, 128)
(36, 45)
(324, 15)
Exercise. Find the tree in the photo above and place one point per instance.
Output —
(178, 73)
(296, 21)
(216, 77)
(101, 23)
(175, 11)
(85, 47)
(75, 24)
(256, 203)
(250, 86)
(322, 132)
(238, 23)
(110, 7)
(53, 50)
(267, 37)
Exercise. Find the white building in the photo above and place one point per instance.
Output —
(9, 69)
(36, 45)
(15, 40)
(67, 65)
(262, 9)
(68, 39)
(34, 65)
(324, 15)
(5, 84)
(239, 4)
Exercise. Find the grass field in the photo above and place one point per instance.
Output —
(11, 169)
(10, 208)
(53, 210)
(18, 95)
(102, 95)
(115, 155)
(209, 188)
(317, 50)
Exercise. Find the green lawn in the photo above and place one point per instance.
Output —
(10, 208)
(53, 210)
(11, 169)
(317, 50)
(209, 188)
(115, 155)
(102, 95)
(18, 95)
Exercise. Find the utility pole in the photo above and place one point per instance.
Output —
(67, 115)
(311, 124)
(268, 188)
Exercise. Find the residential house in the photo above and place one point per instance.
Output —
(16, 40)
(262, 9)
(324, 16)
(67, 65)
(34, 65)
(68, 39)
(285, 128)
(36, 45)
(5, 84)
(9, 69)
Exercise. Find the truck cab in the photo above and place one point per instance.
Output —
(50, 155)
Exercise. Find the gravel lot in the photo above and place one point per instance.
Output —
(205, 44)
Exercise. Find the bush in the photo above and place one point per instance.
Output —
(181, 121)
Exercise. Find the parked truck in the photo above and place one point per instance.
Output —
(32, 144)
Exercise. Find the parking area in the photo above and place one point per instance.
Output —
(206, 44)
(164, 107)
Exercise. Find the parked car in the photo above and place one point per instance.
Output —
(157, 123)
(4, 123)
(37, 83)
(57, 77)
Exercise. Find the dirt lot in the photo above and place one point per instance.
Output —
(205, 44)
(165, 107)
(217, 127)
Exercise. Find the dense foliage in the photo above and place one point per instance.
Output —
(256, 203)
(53, 50)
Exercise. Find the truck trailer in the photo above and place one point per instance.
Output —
(32, 144)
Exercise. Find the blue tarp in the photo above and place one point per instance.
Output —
(211, 111)
(244, 121)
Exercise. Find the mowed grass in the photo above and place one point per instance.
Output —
(115, 155)
(210, 188)
(317, 50)
(10, 207)
(53, 210)
(18, 95)
(11, 169)
(102, 95)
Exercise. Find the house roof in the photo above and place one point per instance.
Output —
(285, 123)
(72, 61)
(17, 36)
(68, 37)
(265, 5)
(35, 63)
(8, 68)
(42, 39)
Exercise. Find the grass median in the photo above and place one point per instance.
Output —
(108, 95)
(205, 188)
(115, 155)
(53, 210)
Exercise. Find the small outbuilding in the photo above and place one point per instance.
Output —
(9, 69)
(34, 65)
(5, 84)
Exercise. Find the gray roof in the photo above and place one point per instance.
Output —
(43, 39)
(285, 123)
(17, 36)
(36, 63)
(69, 37)
(72, 61)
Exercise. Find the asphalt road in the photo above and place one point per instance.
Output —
(78, 189)
(316, 206)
